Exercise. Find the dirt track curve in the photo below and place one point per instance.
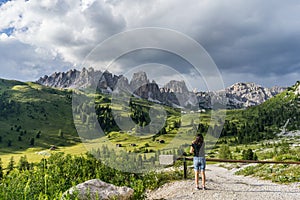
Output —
(223, 184)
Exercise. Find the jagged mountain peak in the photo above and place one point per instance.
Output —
(246, 85)
(176, 86)
(250, 94)
(239, 95)
(138, 79)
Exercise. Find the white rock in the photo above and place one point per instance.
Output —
(97, 189)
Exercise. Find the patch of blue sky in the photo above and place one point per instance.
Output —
(3, 2)
(7, 31)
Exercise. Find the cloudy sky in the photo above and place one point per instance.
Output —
(248, 40)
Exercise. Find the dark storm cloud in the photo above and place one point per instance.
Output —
(257, 40)
(261, 38)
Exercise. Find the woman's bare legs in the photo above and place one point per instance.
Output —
(197, 178)
(203, 178)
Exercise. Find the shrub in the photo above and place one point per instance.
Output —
(56, 174)
(249, 155)
(224, 152)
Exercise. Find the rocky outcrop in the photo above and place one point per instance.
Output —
(97, 189)
(242, 95)
(60, 80)
(239, 95)
(81, 79)
(138, 80)
(177, 87)
(141, 87)
(180, 93)
(149, 91)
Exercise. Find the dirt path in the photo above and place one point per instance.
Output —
(222, 184)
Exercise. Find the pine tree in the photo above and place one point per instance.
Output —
(9, 143)
(60, 133)
(10, 165)
(38, 134)
(1, 169)
(23, 163)
(31, 142)
(255, 156)
(249, 155)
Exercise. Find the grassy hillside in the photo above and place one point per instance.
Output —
(32, 115)
(276, 111)
(266, 120)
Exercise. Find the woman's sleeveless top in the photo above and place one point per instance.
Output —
(199, 150)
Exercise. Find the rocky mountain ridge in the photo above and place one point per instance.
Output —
(175, 93)
(249, 94)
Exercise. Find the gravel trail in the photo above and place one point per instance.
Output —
(223, 184)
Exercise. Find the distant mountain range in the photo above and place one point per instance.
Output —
(174, 93)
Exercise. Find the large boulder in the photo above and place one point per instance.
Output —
(97, 189)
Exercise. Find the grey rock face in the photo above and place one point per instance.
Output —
(60, 80)
(177, 87)
(80, 79)
(97, 189)
(141, 86)
(138, 80)
(149, 91)
(239, 95)
(180, 94)
(242, 95)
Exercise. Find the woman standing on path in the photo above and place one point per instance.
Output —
(198, 148)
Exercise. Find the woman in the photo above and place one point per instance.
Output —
(198, 149)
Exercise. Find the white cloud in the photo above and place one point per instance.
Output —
(25, 62)
(3, 37)
(61, 30)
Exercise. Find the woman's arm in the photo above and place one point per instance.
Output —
(191, 149)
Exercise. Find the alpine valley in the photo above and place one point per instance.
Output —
(37, 120)
(39, 114)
